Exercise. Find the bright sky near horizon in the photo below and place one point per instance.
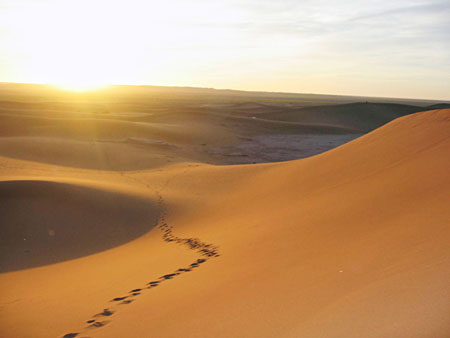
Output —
(392, 48)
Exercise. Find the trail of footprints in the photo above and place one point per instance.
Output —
(207, 251)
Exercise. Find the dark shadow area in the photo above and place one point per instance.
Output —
(46, 222)
(168, 276)
(70, 335)
(105, 312)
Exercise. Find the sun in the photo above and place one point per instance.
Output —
(78, 75)
(79, 86)
(69, 45)
(83, 45)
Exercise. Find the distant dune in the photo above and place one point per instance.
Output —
(362, 116)
(119, 93)
(145, 127)
(438, 106)
(349, 243)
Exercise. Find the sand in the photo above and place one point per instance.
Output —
(353, 242)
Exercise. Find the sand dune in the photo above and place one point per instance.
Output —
(139, 141)
(94, 128)
(45, 222)
(103, 154)
(361, 116)
(145, 127)
(350, 243)
(438, 106)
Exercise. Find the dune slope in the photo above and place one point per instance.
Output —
(350, 243)
(45, 222)
(363, 116)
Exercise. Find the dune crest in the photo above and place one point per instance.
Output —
(349, 243)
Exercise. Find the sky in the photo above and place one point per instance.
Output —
(388, 48)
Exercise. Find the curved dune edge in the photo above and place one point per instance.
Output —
(205, 250)
(350, 243)
(46, 222)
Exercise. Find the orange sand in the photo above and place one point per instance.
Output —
(354, 242)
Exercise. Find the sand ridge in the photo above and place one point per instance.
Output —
(137, 128)
(349, 243)
(206, 250)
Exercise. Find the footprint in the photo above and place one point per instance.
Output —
(184, 270)
(99, 324)
(106, 312)
(206, 250)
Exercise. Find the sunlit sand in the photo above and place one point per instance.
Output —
(128, 216)
(224, 169)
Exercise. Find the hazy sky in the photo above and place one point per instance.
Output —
(396, 48)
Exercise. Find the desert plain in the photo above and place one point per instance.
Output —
(139, 211)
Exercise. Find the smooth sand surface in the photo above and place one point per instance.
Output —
(44, 222)
(353, 242)
(144, 127)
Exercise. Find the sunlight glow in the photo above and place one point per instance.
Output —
(380, 48)
(68, 45)
(81, 86)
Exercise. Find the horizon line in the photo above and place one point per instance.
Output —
(103, 87)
